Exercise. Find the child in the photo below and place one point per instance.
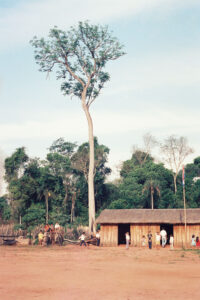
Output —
(143, 241)
(40, 237)
(127, 240)
(157, 240)
(82, 238)
(171, 241)
(193, 241)
(197, 242)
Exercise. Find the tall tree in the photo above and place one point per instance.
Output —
(142, 154)
(150, 176)
(59, 160)
(80, 162)
(81, 55)
(175, 150)
(2, 173)
(14, 168)
(151, 186)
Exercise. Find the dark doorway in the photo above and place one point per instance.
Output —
(122, 229)
(169, 229)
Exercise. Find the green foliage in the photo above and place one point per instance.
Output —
(14, 163)
(60, 179)
(62, 175)
(34, 215)
(5, 211)
(140, 176)
(78, 54)
(18, 227)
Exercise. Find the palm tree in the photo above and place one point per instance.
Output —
(152, 186)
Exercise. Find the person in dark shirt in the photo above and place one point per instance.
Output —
(149, 236)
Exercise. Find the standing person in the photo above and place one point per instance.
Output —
(47, 228)
(163, 235)
(143, 241)
(197, 242)
(52, 234)
(82, 238)
(98, 238)
(57, 226)
(40, 237)
(193, 241)
(171, 241)
(149, 236)
(127, 236)
(157, 240)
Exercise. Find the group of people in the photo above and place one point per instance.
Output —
(160, 238)
(195, 241)
(50, 235)
(82, 239)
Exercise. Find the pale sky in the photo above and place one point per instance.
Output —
(154, 88)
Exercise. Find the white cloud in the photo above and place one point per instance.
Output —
(106, 123)
(162, 70)
(20, 23)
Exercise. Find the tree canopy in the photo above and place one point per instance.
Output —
(79, 56)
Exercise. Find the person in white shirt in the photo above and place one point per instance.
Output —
(127, 235)
(98, 238)
(57, 226)
(171, 241)
(82, 238)
(163, 235)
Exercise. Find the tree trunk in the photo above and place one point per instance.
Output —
(91, 199)
(152, 204)
(73, 206)
(65, 200)
(175, 186)
(47, 206)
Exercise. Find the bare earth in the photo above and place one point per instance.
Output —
(74, 272)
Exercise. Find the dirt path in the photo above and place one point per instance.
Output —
(71, 272)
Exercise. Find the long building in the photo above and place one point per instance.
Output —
(138, 222)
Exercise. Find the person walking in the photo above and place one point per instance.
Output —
(82, 238)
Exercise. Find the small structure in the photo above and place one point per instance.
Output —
(8, 239)
(138, 222)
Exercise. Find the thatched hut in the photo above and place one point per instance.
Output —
(138, 222)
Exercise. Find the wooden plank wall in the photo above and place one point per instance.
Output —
(109, 235)
(179, 234)
(138, 230)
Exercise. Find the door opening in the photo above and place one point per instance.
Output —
(122, 229)
(169, 229)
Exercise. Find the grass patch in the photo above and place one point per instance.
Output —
(193, 251)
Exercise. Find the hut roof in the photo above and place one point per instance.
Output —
(131, 216)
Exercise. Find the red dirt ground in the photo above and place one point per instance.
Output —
(92, 273)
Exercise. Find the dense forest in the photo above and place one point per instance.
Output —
(55, 189)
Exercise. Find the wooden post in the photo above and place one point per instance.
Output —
(184, 203)
(185, 215)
